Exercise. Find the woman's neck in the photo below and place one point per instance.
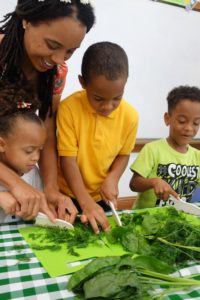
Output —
(29, 71)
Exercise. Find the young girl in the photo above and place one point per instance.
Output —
(22, 137)
(35, 41)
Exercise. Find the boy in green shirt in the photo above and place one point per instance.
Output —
(171, 166)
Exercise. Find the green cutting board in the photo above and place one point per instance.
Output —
(58, 263)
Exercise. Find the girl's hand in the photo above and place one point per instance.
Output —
(162, 189)
(8, 203)
(94, 214)
(61, 205)
(109, 190)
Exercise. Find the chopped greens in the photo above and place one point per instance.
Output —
(80, 237)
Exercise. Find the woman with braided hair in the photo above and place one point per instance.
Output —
(35, 41)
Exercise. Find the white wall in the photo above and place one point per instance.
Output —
(163, 47)
(7, 6)
(124, 190)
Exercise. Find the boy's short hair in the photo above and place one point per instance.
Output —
(180, 93)
(104, 58)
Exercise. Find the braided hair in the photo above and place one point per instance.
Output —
(11, 47)
(17, 101)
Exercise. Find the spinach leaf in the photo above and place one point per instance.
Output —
(77, 280)
(110, 284)
(150, 225)
(153, 264)
(130, 242)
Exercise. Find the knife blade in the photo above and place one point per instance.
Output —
(43, 220)
(190, 208)
(115, 214)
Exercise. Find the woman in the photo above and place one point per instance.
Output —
(36, 39)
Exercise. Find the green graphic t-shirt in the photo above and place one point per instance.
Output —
(159, 160)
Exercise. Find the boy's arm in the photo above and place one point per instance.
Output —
(141, 184)
(109, 188)
(161, 188)
(90, 209)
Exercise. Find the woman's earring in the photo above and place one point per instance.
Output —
(24, 24)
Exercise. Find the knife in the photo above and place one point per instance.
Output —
(190, 208)
(43, 220)
(115, 214)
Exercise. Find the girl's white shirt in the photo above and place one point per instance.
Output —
(34, 179)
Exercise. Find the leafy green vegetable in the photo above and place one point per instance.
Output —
(151, 229)
(80, 237)
(107, 277)
(150, 225)
(143, 232)
(123, 278)
(110, 284)
(90, 269)
(130, 241)
(150, 235)
(152, 264)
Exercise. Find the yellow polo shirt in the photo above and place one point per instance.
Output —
(94, 139)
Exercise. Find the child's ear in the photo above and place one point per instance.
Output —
(167, 118)
(2, 145)
(82, 82)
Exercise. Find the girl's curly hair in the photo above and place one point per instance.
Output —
(11, 96)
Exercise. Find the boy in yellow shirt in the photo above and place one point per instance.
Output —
(96, 133)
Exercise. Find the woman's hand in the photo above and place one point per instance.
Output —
(8, 203)
(61, 205)
(29, 200)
